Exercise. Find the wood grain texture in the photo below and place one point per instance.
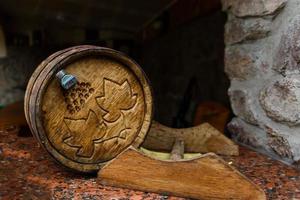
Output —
(30, 85)
(205, 177)
(109, 109)
(202, 138)
(177, 152)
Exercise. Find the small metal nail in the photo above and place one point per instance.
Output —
(66, 80)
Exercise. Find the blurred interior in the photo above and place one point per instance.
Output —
(178, 43)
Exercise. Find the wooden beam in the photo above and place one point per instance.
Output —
(203, 138)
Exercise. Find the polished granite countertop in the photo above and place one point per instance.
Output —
(27, 172)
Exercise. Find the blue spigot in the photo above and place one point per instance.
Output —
(66, 80)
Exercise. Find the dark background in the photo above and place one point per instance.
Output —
(178, 43)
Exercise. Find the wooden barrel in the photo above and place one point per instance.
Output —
(108, 109)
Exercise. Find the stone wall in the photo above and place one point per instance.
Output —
(195, 49)
(15, 71)
(262, 60)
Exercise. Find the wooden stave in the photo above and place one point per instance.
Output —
(33, 78)
(45, 74)
(31, 83)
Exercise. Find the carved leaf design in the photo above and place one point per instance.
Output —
(115, 130)
(116, 97)
(83, 133)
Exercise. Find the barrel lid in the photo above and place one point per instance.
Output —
(107, 110)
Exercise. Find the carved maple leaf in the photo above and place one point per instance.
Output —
(83, 133)
(116, 98)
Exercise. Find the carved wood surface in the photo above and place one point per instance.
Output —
(202, 138)
(177, 152)
(205, 177)
(109, 109)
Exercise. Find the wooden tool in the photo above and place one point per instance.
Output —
(203, 138)
(205, 177)
(99, 104)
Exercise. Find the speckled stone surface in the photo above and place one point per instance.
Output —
(27, 172)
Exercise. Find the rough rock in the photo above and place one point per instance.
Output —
(242, 105)
(247, 134)
(262, 39)
(239, 64)
(281, 100)
(239, 30)
(278, 143)
(287, 57)
(265, 140)
(246, 8)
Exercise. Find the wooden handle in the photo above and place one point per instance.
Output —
(177, 152)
